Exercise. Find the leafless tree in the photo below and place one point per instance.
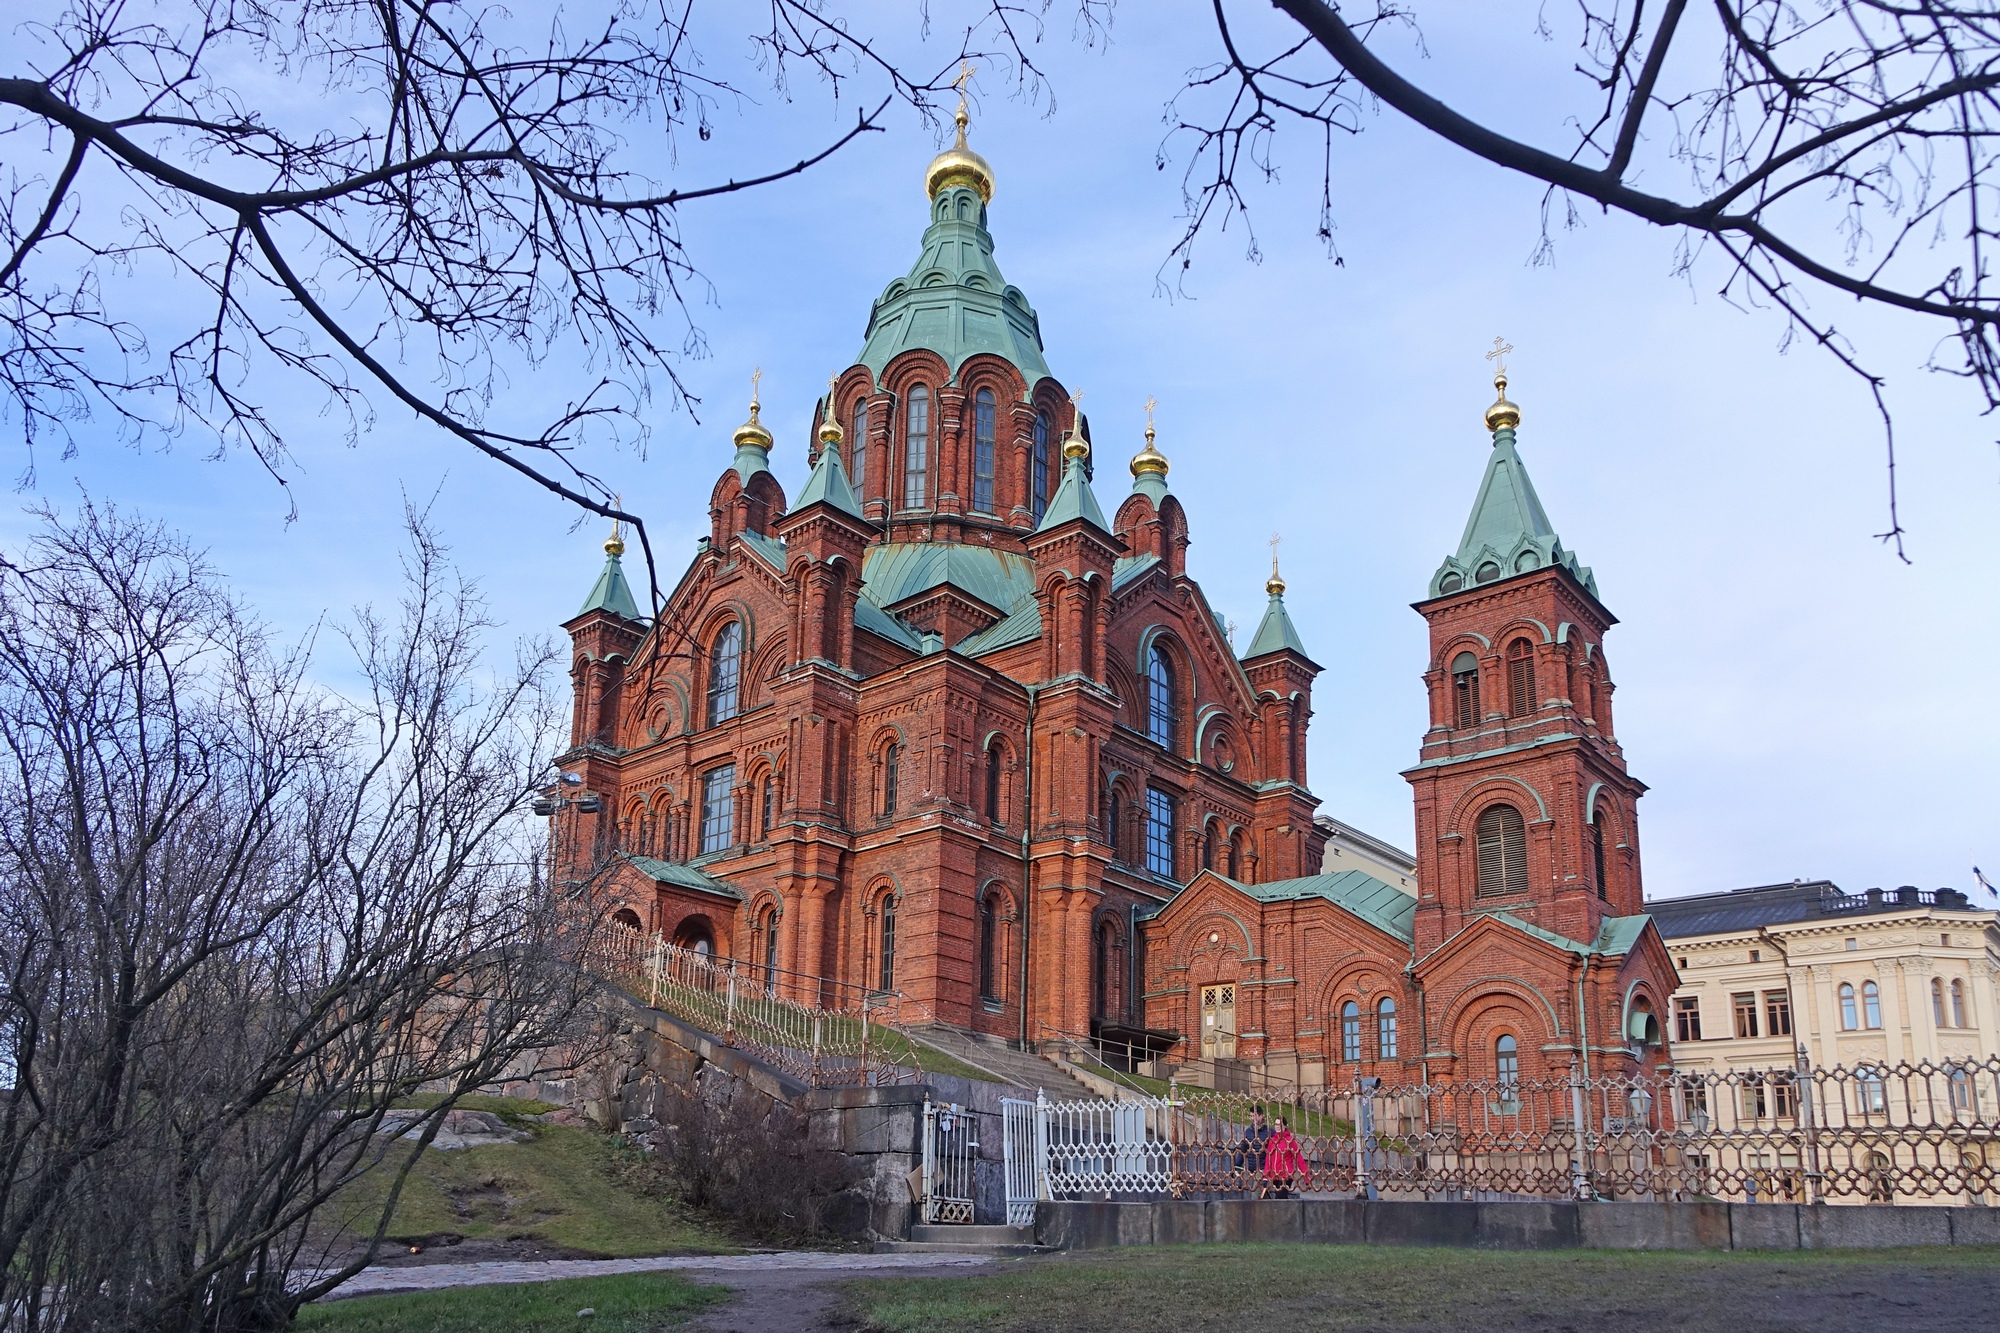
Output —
(1830, 147)
(241, 916)
(408, 196)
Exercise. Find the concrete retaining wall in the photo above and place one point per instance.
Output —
(1514, 1226)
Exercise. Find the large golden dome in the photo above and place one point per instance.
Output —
(959, 165)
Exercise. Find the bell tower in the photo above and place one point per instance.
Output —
(1523, 802)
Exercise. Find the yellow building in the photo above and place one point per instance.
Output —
(1893, 995)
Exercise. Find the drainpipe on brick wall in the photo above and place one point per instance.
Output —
(1583, 1019)
(1027, 834)
(1423, 1018)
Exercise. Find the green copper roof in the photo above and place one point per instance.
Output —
(1276, 634)
(894, 571)
(1021, 625)
(682, 875)
(828, 485)
(1382, 906)
(954, 301)
(1615, 937)
(1508, 532)
(1074, 499)
(611, 592)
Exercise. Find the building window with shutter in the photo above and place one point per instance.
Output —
(1160, 832)
(1465, 690)
(1778, 1013)
(1503, 852)
(718, 815)
(1687, 1018)
(1520, 678)
(982, 451)
(1745, 1004)
(917, 448)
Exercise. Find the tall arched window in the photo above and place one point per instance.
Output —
(886, 972)
(1465, 690)
(891, 764)
(1235, 856)
(1350, 1032)
(1958, 1004)
(917, 448)
(1038, 486)
(1520, 678)
(718, 809)
(982, 451)
(993, 782)
(1159, 697)
(1507, 1063)
(1870, 1095)
(770, 806)
(1160, 832)
(771, 950)
(725, 673)
(1871, 1005)
(1849, 1020)
(1937, 1000)
(1209, 837)
(1597, 852)
(1101, 989)
(856, 456)
(1503, 851)
(1385, 1029)
(1114, 821)
(989, 944)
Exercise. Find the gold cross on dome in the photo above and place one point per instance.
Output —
(1498, 356)
(966, 69)
(756, 378)
(1275, 539)
(1150, 405)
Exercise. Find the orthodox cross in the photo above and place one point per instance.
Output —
(1150, 405)
(1232, 635)
(1076, 414)
(966, 69)
(1498, 356)
(1275, 539)
(756, 378)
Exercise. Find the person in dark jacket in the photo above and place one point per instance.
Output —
(1250, 1148)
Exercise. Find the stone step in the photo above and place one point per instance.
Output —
(939, 1247)
(1020, 1069)
(940, 1233)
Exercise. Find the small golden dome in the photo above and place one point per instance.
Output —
(1074, 445)
(829, 426)
(1149, 459)
(959, 165)
(1503, 413)
(1275, 585)
(614, 545)
(753, 432)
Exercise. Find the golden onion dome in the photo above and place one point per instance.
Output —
(1275, 585)
(959, 165)
(614, 545)
(1502, 414)
(753, 433)
(829, 426)
(1149, 459)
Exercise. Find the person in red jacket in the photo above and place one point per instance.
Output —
(1283, 1162)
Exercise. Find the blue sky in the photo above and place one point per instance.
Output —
(1801, 703)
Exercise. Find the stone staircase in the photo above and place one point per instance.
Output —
(997, 1241)
(1002, 1063)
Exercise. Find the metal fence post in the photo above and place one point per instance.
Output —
(658, 960)
(1579, 1171)
(1815, 1184)
(729, 1015)
(1041, 1144)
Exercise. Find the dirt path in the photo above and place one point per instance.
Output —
(802, 1301)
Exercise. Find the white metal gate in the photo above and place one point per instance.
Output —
(1024, 1131)
(951, 1145)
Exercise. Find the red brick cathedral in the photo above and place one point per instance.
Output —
(939, 725)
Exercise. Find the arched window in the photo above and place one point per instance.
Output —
(1159, 697)
(1848, 1019)
(1038, 487)
(1937, 1000)
(993, 782)
(1871, 1096)
(771, 950)
(982, 451)
(1235, 857)
(1871, 1005)
(1160, 832)
(989, 943)
(892, 758)
(1350, 1032)
(770, 805)
(725, 673)
(1503, 851)
(917, 448)
(1114, 820)
(718, 809)
(1520, 678)
(1507, 1064)
(1465, 690)
(1385, 1029)
(886, 972)
(1597, 852)
(1958, 1004)
(1961, 1090)
(857, 448)
(1209, 836)
(1101, 980)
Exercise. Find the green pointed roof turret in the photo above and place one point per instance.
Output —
(611, 592)
(828, 483)
(1074, 498)
(954, 300)
(1276, 634)
(1508, 532)
(1149, 465)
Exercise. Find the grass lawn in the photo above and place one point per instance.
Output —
(629, 1303)
(570, 1187)
(1281, 1288)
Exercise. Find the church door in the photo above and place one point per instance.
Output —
(1218, 1021)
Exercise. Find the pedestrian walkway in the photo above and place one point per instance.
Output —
(440, 1277)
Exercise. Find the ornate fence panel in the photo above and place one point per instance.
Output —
(1890, 1134)
(1025, 1151)
(951, 1146)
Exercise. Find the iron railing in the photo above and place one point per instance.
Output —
(1924, 1132)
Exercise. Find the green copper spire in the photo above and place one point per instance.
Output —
(828, 484)
(1149, 465)
(1509, 532)
(1074, 498)
(954, 301)
(1276, 633)
(611, 592)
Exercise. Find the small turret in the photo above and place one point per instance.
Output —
(1149, 465)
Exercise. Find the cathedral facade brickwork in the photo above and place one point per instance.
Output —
(938, 725)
